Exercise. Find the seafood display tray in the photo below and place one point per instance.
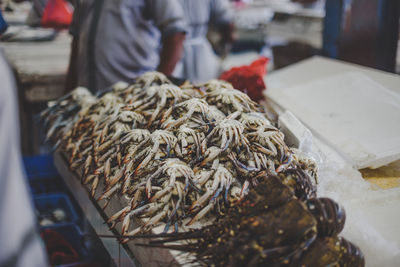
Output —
(352, 109)
(123, 254)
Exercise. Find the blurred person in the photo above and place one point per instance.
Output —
(6, 5)
(119, 40)
(199, 62)
(20, 244)
(35, 14)
(34, 18)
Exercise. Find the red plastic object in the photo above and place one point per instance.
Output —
(248, 78)
(58, 249)
(57, 14)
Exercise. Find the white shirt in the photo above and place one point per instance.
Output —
(199, 63)
(20, 244)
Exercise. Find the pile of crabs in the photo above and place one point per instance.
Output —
(199, 154)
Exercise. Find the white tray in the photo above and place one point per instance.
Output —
(352, 113)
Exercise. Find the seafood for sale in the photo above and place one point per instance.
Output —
(271, 227)
(199, 154)
(178, 155)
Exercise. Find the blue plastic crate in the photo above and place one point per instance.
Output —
(72, 235)
(47, 203)
(46, 186)
(3, 24)
(38, 167)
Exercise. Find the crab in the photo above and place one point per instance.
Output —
(157, 97)
(145, 211)
(254, 120)
(227, 133)
(189, 140)
(130, 142)
(268, 140)
(135, 136)
(256, 164)
(121, 123)
(215, 114)
(120, 87)
(216, 182)
(171, 182)
(215, 85)
(184, 111)
(192, 90)
(152, 145)
(60, 117)
(152, 78)
(306, 163)
(210, 155)
(106, 103)
(80, 96)
(173, 168)
(230, 100)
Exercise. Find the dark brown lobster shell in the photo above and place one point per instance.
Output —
(329, 214)
(333, 251)
(300, 182)
(271, 227)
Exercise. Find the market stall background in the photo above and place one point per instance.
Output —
(42, 66)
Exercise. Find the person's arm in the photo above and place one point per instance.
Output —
(227, 31)
(168, 17)
(72, 75)
(172, 49)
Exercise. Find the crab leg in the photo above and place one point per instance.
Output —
(164, 191)
(75, 165)
(89, 178)
(127, 218)
(201, 214)
(148, 182)
(108, 193)
(119, 214)
(285, 164)
(154, 220)
(116, 178)
(94, 185)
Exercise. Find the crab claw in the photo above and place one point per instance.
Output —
(211, 153)
(285, 164)
(94, 186)
(109, 192)
(125, 224)
(245, 189)
(143, 164)
(199, 202)
(88, 179)
(161, 193)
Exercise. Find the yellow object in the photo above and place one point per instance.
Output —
(385, 177)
